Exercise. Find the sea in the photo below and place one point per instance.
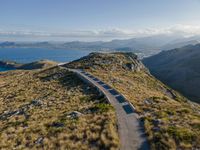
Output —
(27, 55)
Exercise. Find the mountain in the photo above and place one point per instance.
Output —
(146, 45)
(180, 43)
(7, 44)
(52, 108)
(179, 68)
(28, 45)
(143, 46)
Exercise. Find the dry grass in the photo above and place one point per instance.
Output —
(47, 125)
(169, 120)
(178, 120)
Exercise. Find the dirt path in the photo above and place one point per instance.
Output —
(131, 132)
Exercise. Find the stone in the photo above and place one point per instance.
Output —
(39, 140)
(156, 129)
(74, 114)
(57, 124)
(156, 122)
(130, 66)
(36, 102)
(148, 101)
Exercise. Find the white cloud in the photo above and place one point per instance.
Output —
(185, 30)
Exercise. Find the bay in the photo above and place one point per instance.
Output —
(5, 69)
(27, 55)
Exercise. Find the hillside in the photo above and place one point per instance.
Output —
(37, 65)
(52, 108)
(179, 68)
(29, 66)
(179, 44)
(170, 121)
(9, 64)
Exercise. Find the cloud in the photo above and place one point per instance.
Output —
(184, 30)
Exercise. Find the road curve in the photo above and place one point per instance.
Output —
(131, 132)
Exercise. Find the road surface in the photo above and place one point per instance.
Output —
(131, 132)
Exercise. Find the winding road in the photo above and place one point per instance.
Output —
(131, 132)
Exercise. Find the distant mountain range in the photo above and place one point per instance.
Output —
(179, 68)
(144, 46)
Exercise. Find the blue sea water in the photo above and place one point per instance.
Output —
(4, 69)
(26, 55)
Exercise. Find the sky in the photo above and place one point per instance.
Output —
(88, 20)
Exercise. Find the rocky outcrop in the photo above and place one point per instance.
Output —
(22, 110)
(109, 61)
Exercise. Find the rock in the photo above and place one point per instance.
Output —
(39, 140)
(57, 124)
(36, 102)
(8, 114)
(130, 66)
(156, 129)
(88, 88)
(156, 122)
(20, 112)
(74, 114)
(148, 101)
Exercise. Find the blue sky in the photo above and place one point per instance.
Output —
(96, 19)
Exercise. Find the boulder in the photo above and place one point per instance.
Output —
(74, 114)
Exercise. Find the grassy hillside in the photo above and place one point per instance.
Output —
(38, 65)
(179, 68)
(171, 122)
(29, 66)
(52, 109)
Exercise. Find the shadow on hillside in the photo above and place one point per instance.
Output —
(145, 145)
(67, 79)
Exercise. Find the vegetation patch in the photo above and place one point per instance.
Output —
(50, 109)
(171, 122)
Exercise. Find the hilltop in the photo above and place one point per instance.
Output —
(170, 120)
(109, 62)
(179, 68)
(36, 107)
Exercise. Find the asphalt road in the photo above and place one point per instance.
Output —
(131, 131)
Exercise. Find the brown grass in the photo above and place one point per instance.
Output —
(170, 121)
(48, 126)
(171, 112)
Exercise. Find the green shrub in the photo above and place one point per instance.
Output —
(181, 134)
(101, 107)
(183, 110)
